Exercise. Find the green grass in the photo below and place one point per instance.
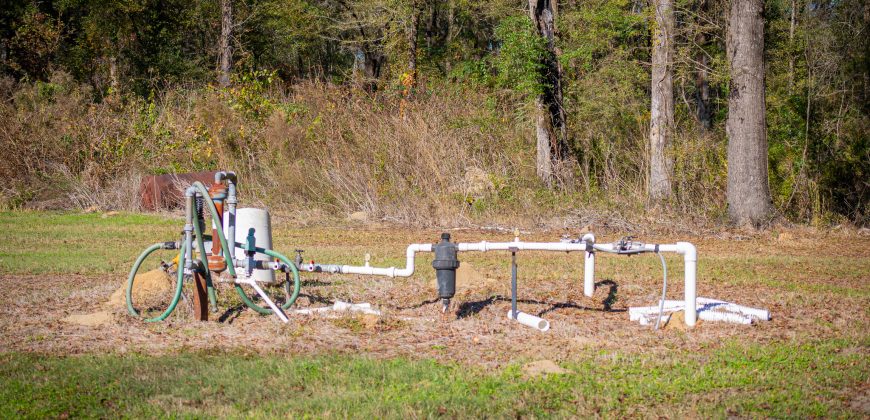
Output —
(782, 380)
(815, 378)
(48, 242)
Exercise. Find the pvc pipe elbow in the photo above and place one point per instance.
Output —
(588, 238)
(688, 250)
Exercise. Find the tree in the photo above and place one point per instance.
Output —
(410, 81)
(748, 191)
(662, 101)
(225, 48)
(550, 129)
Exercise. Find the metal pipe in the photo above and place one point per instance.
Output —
(514, 283)
(231, 215)
(188, 230)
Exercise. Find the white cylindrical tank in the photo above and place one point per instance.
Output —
(257, 219)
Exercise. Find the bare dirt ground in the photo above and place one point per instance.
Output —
(815, 288)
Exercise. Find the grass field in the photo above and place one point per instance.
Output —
(811, 360)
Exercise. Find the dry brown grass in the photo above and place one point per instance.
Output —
(451, 157)
(804, 281)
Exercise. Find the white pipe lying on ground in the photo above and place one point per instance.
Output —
(708, 304)
(761, 314)
(530, 320)
(725, 316)
(707, 309)
(340, 306)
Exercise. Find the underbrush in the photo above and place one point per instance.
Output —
(449, 157)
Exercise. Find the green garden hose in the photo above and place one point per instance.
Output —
(178, 285)
(296, 285)
(220, 229)
(230, 268)
(229, 255)
(212, 297)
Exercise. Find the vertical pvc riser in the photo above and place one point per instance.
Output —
(589, 274)
(691, 293)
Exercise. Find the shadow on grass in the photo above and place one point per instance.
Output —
(474, 307)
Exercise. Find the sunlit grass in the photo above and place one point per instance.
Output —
(779, 380)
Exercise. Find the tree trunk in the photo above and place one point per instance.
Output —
(543, 145)
(748, 190)
(662, 103)
(702, 94)
(367, 67)
(113, 74)
(704, 111)
(550, 128)
(791, 47)
(226, 49)
(411, 78)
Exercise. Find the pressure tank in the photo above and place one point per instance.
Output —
(258, 219)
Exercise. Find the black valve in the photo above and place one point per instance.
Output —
(445, 265)
(298, 259)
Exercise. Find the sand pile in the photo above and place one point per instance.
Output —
(469, 281)
(89, 320)
(147, 287)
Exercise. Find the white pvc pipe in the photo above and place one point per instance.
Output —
(726, 317)
(277, 310)
(690, 258)
(589, 267)
(390, 271)
(636, 313)
(485, 246)
(589, 274)
(530, 320)
(761, 314)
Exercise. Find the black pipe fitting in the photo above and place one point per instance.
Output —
(445, 265)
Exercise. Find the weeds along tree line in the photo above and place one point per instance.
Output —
(741, 111)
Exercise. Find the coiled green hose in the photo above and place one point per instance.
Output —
(212, 297)
(230, 268)
(178, 285)
(296, 285)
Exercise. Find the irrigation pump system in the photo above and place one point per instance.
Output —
(240, 251)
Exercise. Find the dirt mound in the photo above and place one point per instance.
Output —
(543, 367)
(677, 321)
(89, 320)
(149, 285)
(469, 280)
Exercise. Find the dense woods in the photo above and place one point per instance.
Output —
(746, 111)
